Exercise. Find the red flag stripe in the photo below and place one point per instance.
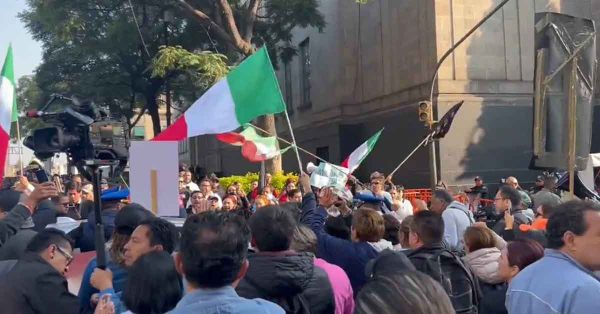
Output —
(4, 143)
(232, 138)
(176, 132)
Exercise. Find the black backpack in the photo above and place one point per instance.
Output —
(456, 278)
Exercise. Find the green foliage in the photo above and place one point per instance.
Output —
(278, 180)
(204, 68)
(29, 96)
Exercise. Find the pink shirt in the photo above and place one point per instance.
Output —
(342, 290)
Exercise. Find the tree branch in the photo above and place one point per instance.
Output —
(137, 119)
(250, 19)
(232, 28)
(205, 19)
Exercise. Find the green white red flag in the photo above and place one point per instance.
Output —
(8, 104)
(359, 154)
(249, 91)
(255, 148)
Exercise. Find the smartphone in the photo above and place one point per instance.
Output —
(41, 176)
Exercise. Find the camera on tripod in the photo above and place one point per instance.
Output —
(85, 132)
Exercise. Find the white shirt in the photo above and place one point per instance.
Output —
(405, 210)
(192, 187)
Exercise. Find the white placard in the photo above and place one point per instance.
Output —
(162, 159)
(328, 175)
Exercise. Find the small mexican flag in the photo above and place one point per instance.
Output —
(249, 91)
(359, 154)
(255, 148)
(8, 104)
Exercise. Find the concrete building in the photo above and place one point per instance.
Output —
(374, 62)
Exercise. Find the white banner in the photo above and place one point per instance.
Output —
(153, 176)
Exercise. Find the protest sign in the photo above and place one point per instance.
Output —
(153, 176)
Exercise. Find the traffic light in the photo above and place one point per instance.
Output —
(425, 112)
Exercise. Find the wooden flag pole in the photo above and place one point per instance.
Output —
(20, 147)
(295, 146)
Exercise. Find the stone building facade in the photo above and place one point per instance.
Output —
(373, 64)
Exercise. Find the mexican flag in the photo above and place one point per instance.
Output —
(8, 104)
(249, 91)
(255, 148)
(359, 154)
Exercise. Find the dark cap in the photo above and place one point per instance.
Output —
(213, 198)
(477, 178)
(539, 178)
(129, 217)
(103, 181)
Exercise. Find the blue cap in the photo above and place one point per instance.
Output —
(115, 195)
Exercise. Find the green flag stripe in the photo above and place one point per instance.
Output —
(9, 74)
(254, 88)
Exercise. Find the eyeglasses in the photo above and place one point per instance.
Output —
(499, 199)
(67, 256)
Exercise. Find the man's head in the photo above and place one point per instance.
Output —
(55, 247)
(187, 177)
(440, 199)
(304, 240)
(478, 181)
(61, 203)
(229, 203)
(427, 228)
(214, 182)
(377, 181)
(213, 203)
(76, 179)
(205, 186)
(272, 228)
(154, 234)
(214, 246)
(506, 199)
(367, 226)
(74, 193)
(539, 181)
(295, 196)
(87, 193)
(268, 178)
(574, 228)
(549, 183)
(512, 182)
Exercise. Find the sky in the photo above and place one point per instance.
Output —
(26, 51)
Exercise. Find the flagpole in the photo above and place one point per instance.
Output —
(412, 153)
(302, 150)
(20, 146)
(287, 118)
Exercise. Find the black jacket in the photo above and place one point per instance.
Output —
(493, 300)
(34, 286)
(288, 279)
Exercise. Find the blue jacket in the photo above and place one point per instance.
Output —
(352, 257)
(86, 290)
(87, 241)
(555, 284)
(223, 301)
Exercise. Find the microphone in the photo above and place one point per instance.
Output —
(32, 114)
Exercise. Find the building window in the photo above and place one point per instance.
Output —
(305, 70)
(323, 153)
(288, 87)
(184, 146)
(138, 133)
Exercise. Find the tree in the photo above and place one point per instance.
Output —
(29, 97)
(242, 25)
(94, 49)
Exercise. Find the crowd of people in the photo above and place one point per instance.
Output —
(366, 249)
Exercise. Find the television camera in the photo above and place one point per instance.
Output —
(86, 133)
